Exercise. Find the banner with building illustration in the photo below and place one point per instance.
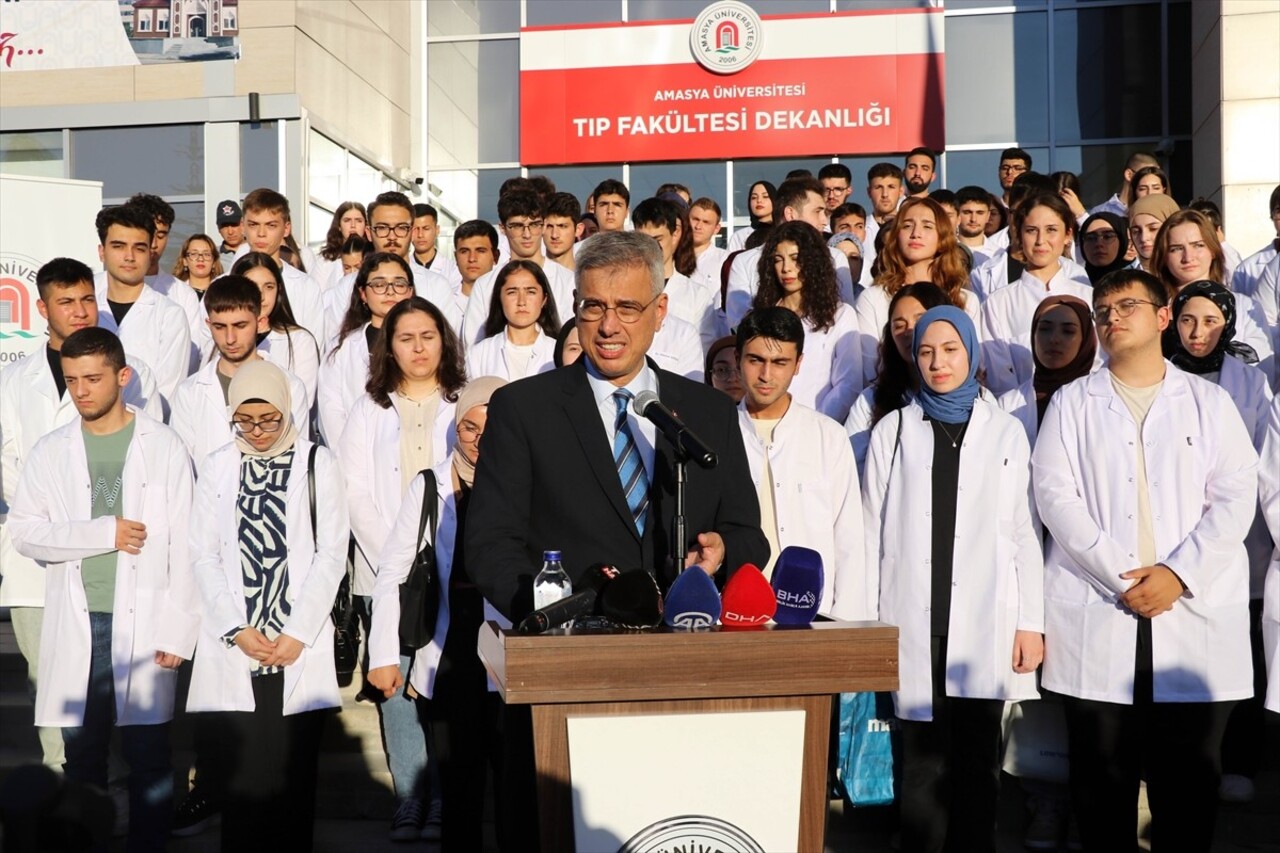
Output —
(45, 35)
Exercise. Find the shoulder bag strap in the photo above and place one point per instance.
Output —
(311, 487)
(430, 508)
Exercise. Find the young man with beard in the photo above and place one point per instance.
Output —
(919, 171)
(837, 184)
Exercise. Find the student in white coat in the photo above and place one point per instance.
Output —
(463, 708)
(383, 281)
(1247, 275)
(1064, 347)
(234, 306)
(33, 403)
(920, 245)
(1042, 227)
(268, 565)
(103, 504)
(795, 272)
(1201, 340)
(1269, 497)
(688, 297)
(152, 328)
(282, 341)
(1147, 481)
(267, 226)
(348, 220)
(760, 210)
(520, 331)
(801, 464)
(896, 380)
(402, 425)
(949, 536)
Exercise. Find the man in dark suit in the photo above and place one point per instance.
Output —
(558, 470)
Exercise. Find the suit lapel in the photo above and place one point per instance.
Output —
(584, 417)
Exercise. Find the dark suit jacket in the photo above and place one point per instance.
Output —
(546, 480)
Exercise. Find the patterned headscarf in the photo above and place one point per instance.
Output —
(1211, 363)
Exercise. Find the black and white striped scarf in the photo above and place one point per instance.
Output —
(260, 514)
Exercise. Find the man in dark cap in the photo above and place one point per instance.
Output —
(229, 217)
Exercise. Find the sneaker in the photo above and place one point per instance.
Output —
(1045, 827)
(431, 829)
(1235, 788)
(195, 814)
(406, 825)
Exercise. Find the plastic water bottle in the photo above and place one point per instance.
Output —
(552, 583)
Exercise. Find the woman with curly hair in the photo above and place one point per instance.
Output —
(920, 245)
(796, 272)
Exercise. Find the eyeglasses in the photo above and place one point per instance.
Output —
(1012, 168)
(593, 311)
(381, 285)
(834, 190)
(468, 431)
(534, 227)
(1101, 237)
(1123, 308)
(724, 371)
(268, 426)
(198, 256)
(384, 230)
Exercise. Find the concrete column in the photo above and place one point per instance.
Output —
(1235, 109)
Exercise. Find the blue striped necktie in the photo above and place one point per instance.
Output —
(626, 457)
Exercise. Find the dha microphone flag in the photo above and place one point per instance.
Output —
(632, 600)
(748, 600)
(693, 601)
(797, 582)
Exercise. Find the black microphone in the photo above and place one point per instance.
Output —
(647, 405)
(570, 607)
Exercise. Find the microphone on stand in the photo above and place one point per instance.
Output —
(647, 405)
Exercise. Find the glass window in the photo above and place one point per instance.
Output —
(676, 10)
(318, 219)
(545, 12)
(980, 168)
(486, 192)
(464, 194)
(979, 4)
(326, 170)
(188, 219)
(470, 17)
(259, 156)
(473, 86)
(500, 101)
(872, 5)
(1101, 168)
(989, 98)
(1178, 50)
(173, 154)
(35, 154)
(366, 181)
(582, 180)
(702, 179)
(1107, 72)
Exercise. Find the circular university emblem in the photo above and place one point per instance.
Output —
(726, 37)
(691, 832)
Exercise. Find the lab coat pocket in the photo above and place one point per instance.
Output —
(1064, 581)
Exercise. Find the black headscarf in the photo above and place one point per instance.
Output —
(1211, 363)
(1118, 225)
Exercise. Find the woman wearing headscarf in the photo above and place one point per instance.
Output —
(464, 711)
(1104, 242)
(948, 475)
(268, 570)
(1146, 215)
(1064, 345)
(1201, 339)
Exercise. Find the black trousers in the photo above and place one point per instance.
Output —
(1176, 746)
(466, 722)
(950, 785)
(1244, 743)
(270, 764)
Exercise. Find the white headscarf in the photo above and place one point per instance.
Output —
(261, 380)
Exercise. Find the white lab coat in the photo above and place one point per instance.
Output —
(738, 239)
(344, 372)
(302, 359)
(221, 678)
(29, 410)
(562, 286)
(369, 455)
(306, 298)
(858, 426)
(1007, 313)
(697, 303)
(872, 312)
(1202, 473)
(155, 605)
(677, 348)
(1021, 403)
(710, 263)
(199, 412)
(830, 375)
(998, 567)
(1269, 497)
(1245, 278)
(155, 331)
(744, 281)
(184, 296)
(818, 501)
(1266, 313)
(489, 357)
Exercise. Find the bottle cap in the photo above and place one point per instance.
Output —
(551, 556)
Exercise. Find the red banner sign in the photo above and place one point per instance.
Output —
(634, 92)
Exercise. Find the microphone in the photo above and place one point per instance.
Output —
(797, 582)
(647, 405)
(632, 600)
(570, 607)
(693, 601)
(749, 601)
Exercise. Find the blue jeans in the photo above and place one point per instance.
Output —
(403, 736)
(145, 748)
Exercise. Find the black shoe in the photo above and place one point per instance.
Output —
(196, 814)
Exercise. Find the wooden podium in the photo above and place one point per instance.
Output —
(565, 674)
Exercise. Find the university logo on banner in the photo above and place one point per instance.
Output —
(20, 324)
(732, 84)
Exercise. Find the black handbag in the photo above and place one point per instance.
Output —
(420, 591)
(346, 627)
